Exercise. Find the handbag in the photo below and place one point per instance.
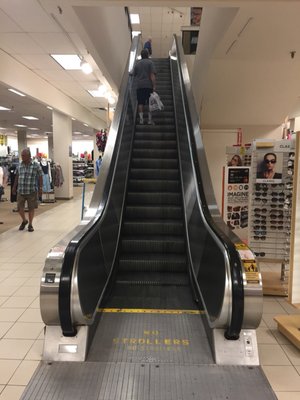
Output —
(155, 104)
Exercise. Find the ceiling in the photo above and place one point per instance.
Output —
(249, 62)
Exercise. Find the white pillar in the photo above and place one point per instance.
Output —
(62, 152)
(22, 141)
(50, 146)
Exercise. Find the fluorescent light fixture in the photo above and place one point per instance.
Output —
(134, 18)
(86, 135)
(77, 133)
(49, 108)
(95, 93)
(33, 129)
(16, 92)
(4, 108)
(135, 33)
(85, 67)
(111, 100)
(85, 125)
(73, 119)
(30, 117)
(20, 126)
(67, 61)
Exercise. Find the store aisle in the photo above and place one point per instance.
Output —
(22, 257)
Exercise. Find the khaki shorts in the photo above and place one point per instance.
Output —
(31, 199)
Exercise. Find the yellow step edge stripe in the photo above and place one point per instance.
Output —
(148, 311)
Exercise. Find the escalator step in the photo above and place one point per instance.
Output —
(153, 279)
(155, 153)
(154, 144)
(155, 135)
(157, 244)
(153, 212)
(153, 227)
(156, 128)
(152, 185)
(148, 173)
(154, 163)
(153, 262)
(135, 198)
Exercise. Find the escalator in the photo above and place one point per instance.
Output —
(148, 298)
(152, 262)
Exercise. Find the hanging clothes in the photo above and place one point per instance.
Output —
(12, 176)
(47, 177)
(101, 138)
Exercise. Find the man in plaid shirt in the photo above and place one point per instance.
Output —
(28, 181)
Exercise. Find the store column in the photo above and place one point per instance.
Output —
(22, 141)
(50, 145)
(62, 152)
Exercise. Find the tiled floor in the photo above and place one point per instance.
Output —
(22, 256)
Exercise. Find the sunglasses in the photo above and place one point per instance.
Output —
(258, 199)
(260, 254)
(277, 194)
(259, 227)
(263, 210)
(264, 194)
(276, 206)
(279, 227)
(273, 161)
(275, 199)
(260, 233)
(259, 221)
(273, 216)
(259, 237)
(261, 186)
(256, 215)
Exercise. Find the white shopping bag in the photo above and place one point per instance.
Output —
(155, 104)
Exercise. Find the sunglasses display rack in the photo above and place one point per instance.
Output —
(271, 205)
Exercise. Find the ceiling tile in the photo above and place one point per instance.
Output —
(31, 17)
(7, 25)
(19, 43)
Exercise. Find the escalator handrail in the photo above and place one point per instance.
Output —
(207, 202)
(100, 197)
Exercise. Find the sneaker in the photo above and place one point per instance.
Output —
(141, 122)
(151, 123)
(23, 224)
(30, 228)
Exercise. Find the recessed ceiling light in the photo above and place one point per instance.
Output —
(50, 108)
(77, 133)
(20, 126)
(134, 18)
(33, 129)
(85, 124)
(73, 119)
(30, 117)
(136, 33)
(16, 92)
(4, 108)
(86, 135)
(67, 61)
